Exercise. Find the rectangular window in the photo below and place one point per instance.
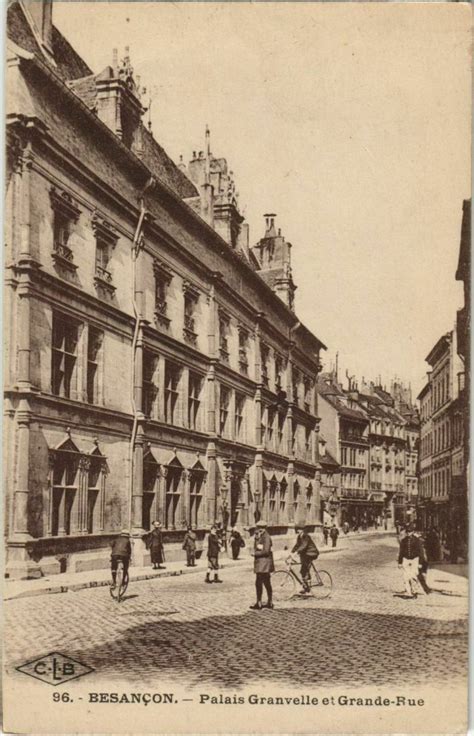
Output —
(150, 384)
(224, 330)
(281, 428)
(270, 423)
(264, 353)
(224, 410)
(239, 417)
(163, 277)
(61, 233)
(278, 373)
(102, 258)
(172, 378)
(194, 400)
(243, 350)
(190, 301)
(64, 355)
(307, 443)
(307, 394)
(296, 386)
(65, 483)
(94, 357)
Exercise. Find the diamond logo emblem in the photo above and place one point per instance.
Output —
(55, 668)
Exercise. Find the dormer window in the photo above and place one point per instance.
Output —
(105, 241)
(65, 214)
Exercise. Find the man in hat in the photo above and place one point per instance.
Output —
(121, 550)
(213, 548)
(306, 548)
(263, 564)
(409, 560)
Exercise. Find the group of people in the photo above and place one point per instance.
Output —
(330, 532)
(305, 549)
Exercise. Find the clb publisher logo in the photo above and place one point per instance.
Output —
(54, 668)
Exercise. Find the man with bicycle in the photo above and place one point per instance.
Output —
(306, 548)
(121, 551)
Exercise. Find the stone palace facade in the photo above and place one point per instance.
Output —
(155, 367)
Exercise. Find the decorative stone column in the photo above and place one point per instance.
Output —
(20, 500)
(137, 487)
(211, 485)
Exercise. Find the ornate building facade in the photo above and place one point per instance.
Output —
(155, 367)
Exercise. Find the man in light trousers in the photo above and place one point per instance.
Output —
(409, 561)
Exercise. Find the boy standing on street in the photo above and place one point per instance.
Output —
(213, 549)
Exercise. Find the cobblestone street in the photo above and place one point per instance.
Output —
(193, 633)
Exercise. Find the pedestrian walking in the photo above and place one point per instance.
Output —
(433, 545)
(189, 545)
(236, 543)
(154, 542)
(423, 566)
(213, 548)
(334, 533)
(326, 533)
(307, 551)
(263, 565)
(409, 560)
(345, 527)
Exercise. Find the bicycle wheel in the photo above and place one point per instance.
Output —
(283, 585)
(122, 582)
(321, 583)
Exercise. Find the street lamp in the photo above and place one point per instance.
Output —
(256, 512)
(225, 515)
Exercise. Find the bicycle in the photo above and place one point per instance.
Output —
(118, 590)
(284, 582)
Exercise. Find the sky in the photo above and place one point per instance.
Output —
(350, 121)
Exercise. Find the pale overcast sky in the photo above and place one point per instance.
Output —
(350, 121)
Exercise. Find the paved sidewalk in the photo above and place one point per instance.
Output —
(64, 582)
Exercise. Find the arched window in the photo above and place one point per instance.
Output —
(150, 477)
(173, 493)
(77, 489)
(197, 476)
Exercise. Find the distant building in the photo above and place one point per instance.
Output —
(440, 432)
(374, 434)
(445, 418)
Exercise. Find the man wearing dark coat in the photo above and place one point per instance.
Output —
(307, 550)
(189, 545)
(121, 550)
(213, 548)
(263, 564)
(154, 542)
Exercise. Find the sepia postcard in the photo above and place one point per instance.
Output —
(236, 367)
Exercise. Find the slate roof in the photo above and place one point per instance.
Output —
(69, 64)
(81, 80)
(329, 461)
(332, 393)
